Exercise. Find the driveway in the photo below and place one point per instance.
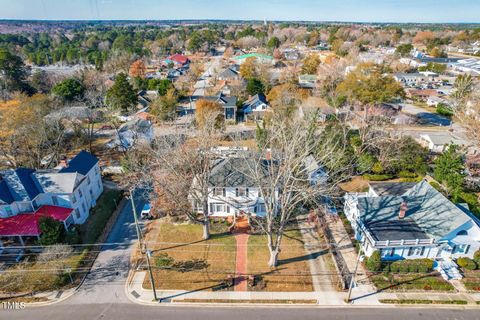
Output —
(425, 117)
(106, 281)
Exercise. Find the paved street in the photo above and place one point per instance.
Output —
(106, 281)
(132, 311)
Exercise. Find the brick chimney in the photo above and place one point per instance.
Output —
(403, 210)
(63, 163)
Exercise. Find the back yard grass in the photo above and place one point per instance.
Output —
(292, 273)
(411, 282)
(188, 262)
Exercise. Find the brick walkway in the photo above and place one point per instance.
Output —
(241, 262)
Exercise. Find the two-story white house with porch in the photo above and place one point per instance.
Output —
(66, 193)
(411, 221)
(232, 191)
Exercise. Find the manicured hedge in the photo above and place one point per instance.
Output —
(467, 263)
(411, 266)
(377, 177)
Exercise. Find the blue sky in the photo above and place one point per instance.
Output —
(314, 10)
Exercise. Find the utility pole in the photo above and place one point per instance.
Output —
(152, 281)
(352, 279)
(143, 245)
(135, 217)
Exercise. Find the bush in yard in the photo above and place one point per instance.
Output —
(52, 231)
(374, 262)
(467, 263)
(407, 174)
(163, 260)
(73, 236)
(377, 177)
(412, 266)
(444, 110)
(476, 257)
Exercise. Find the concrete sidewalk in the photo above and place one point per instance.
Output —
(318, 251)
(360, 296)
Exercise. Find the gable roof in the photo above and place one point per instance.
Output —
(82, 163)
(253, 55)
(235, 172)
(429, 214)
(225, 101)
(259, 97)
(14, 185)
(179, 58)
(228, 73)
(56, 182)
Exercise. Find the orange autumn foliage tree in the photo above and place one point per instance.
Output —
(137, 69)
(27, 135)
(208, 112)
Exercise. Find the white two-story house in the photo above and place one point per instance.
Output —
(232, 191)
(66, 193)
(411, 221)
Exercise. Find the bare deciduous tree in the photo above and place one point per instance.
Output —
(282, 169)
(180, 169)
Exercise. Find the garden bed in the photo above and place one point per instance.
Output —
(411, 282)
(471, 280)
(422, 301)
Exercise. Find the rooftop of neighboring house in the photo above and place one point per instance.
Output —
(82, 163)
(307, 77)
(253, 55)
(179, 58)
(443, 138)
(228, 73)
(428, 214)
(410, 75)
(27, 224)
(24, 184)
(225, 101)
(259, 97)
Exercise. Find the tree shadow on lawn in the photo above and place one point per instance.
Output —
(295, 238)
(306, 257)
(212, 237)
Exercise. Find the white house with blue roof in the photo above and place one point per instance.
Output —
(76, 184)
(411, 221)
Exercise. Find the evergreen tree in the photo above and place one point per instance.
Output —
(121, 95)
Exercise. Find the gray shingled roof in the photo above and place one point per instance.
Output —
(235, 172)
(228, 73)
(57, 182)
(429, 214)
